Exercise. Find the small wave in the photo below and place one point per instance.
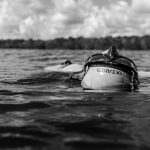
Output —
(144, 74)
(42, 77)
(94, 127)
(22, 106)
(18, 142)
(98, 134)
(94, 144)
(40, 59)
(28, 131)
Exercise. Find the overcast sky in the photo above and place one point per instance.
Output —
(49, 19)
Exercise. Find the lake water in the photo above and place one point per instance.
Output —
(61, 116)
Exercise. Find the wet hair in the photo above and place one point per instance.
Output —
(67, 62)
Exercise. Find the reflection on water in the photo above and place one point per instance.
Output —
(61, 115)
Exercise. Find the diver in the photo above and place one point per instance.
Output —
(102, 70)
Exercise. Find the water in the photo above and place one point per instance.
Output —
(60, 115)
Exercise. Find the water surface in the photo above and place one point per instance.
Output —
(60, 115)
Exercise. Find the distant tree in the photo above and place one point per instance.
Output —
(130, 43)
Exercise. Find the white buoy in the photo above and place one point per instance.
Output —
(104, 77)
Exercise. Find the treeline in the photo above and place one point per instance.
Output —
(129, 43)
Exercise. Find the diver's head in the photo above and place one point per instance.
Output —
(67, 62)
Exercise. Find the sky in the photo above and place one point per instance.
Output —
(49, 19)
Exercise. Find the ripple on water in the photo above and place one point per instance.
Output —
(40, 111)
